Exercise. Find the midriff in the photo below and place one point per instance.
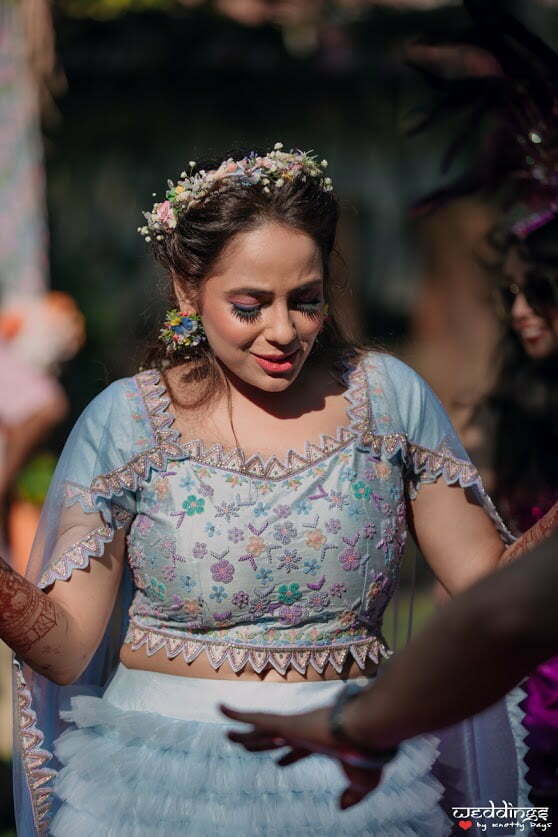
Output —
(201, 667)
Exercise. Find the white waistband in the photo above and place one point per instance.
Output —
(198, 699)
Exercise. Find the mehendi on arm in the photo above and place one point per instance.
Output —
(27, 618)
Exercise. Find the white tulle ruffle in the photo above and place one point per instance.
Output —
(129, 772)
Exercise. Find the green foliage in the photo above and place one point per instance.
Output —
(33, 481)
(108, 9)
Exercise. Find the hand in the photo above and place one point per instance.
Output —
(304, 734)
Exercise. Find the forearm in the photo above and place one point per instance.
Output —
(452, 672)
(469, 655)
(36, 627)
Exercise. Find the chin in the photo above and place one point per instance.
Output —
(540, 349)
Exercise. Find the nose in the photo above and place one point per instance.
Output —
(520, 307)
(281, 329)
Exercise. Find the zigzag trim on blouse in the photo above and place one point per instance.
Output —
(167, 447)
(34, 758)
(259, 657)
(157, 401)
(90, 546)
(426, 466)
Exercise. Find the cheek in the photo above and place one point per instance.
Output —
(223, 329)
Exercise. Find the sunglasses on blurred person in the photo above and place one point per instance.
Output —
(539, 289)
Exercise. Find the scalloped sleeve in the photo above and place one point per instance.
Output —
(429, 444)
(84, 508)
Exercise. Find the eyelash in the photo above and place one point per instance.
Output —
(309, 309)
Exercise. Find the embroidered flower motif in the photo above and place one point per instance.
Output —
(169, 572)
(318, 601)
(206, 490)
(346, 474)
(240, 599)
(337, 590)
(236, 535)
(361, 490)
(157, 589)
(218, 593)
(378, 586)
(143, 524)
(388, 536)
(223, 571)
(261, 509)
(187, 483)
(192, 607)
(136, 556)
(226, 510)
(161, 489)
(291, 614)
(348, 618)
(302, 506)
(289, 561)
(294, 483)
(289, 593)
(223, 617)
(284, 532)
(264, 575)
(233, 480)
(256, 545)
(333, 526)
(199, 550)
(187, 583)
(193, 505)
(177, 602)
(315, 539)
(210, 530)
(350, 558)
(311, 567)
(337, 500)
(369, 529)
(283, 511)
(259, 605)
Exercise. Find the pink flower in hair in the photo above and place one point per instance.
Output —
(165, 215)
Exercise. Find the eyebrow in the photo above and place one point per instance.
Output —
(263, 291)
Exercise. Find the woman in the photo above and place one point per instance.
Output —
(250, 495)
(522, 409)
(523, 412)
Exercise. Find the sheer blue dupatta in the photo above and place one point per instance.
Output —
(121, 436)
(482, 757)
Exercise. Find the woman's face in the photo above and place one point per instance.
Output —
(538, 335)
(262, 305)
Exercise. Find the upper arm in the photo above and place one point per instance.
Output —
(453, 520)
(87, 595)
(79, 551)
(456, 536)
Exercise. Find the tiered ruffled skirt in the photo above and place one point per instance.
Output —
(131, 770)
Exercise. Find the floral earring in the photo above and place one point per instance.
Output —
(182, 331)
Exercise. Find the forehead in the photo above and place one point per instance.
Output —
(271, 257)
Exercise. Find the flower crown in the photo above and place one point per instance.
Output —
(272, 170)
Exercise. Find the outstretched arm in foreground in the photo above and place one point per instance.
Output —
(470, 654)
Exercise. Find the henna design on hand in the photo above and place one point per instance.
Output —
(26, 613)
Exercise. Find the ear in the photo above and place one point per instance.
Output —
(184, 296)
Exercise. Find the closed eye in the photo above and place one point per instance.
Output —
(311, 308)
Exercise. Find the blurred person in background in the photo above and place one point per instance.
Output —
(245, 502)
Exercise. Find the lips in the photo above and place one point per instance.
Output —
(276, 363)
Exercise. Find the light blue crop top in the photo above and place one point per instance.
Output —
(268, 562)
